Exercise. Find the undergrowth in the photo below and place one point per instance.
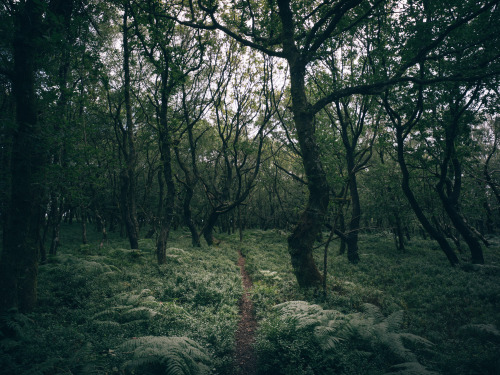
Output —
(113, 310)
(397, 312)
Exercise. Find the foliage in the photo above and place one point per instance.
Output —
(395, 303)
(93, 303)
(166, 355)
(300, 338)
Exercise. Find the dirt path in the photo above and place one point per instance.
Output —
(245, 359)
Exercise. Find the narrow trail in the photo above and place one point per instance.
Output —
(245, 358)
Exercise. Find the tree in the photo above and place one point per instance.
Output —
(300, 32)
(240, 108)
(19, 261)
(128, 180)
(449, 60)
(175, 52)
(455, 122)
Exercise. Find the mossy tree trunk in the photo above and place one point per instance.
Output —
(303, 236)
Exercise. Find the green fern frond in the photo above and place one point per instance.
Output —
(481, 330)
(393, 342)
(372, 311)
(131, 299)
(371, 327)
(410, 368)
(394, 321)
(111, 313)
(327, 337)
(137, 313)
(415, 339)
(297, 307)
(170, 355)
(107, 323)
(15, 325)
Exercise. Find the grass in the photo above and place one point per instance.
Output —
(111, 310)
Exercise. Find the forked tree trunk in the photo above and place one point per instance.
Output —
(450, 204)
(405, 184)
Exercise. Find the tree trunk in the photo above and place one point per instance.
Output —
(56, 224)
(405, 184)
(342, 246)
(165, 140)
(208, 229)
(168, 214)
(240, 224)
(84, 228)
(301, 240)
(188, 219)
(43, 238)
(352, 236)
(127, 175)
(398, 232)
(450, 205)
(131, 226)
(19, 258)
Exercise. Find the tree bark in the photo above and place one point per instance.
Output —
(84, 227)
(127, 175)
(188, 217)
(342, 246)
(405, 184)
(352, 235)
(165, 139)
(301, 240)
(398, 233)
(168, 214)
(450, 204)
(19, 261)
(208, 229)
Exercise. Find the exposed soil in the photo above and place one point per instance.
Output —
(245, 358)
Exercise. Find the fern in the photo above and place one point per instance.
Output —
(14, 325)
(328, 336)
(371, 326)
(327, 326)
(488, 331)
(409, 368)
(168, 355)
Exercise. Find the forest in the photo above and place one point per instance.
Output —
(250, 187)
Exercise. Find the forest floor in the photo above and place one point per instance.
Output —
(109, 310)
(245, 358)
